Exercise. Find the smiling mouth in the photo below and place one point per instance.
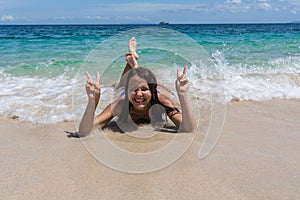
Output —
(139, 101)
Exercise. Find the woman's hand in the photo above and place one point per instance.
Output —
(182, 82)
(92, 88)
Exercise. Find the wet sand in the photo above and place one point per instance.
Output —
(256, 157)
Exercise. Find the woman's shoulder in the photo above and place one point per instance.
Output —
(166, 100)
(117, 105)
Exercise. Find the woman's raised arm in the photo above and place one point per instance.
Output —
(93, 92)
(182, 84)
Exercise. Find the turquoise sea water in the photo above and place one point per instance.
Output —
(40, 64)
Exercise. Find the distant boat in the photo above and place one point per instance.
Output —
(163, 23)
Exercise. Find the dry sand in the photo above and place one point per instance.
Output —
(256, 157)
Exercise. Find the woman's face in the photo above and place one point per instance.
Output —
(139, 93)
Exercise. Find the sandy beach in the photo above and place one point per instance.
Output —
(256, 157)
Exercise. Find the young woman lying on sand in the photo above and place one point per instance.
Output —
(140, 94)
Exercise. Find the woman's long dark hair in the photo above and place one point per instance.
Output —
(157, 111)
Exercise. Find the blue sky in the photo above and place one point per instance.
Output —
(145, 12)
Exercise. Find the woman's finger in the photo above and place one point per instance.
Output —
(88, 75)
(183, 75)
(184, 71)
(179, 75)
(97, 77)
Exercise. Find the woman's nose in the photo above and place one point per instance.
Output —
(139, 93)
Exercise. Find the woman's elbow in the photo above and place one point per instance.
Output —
(191, 129)
(187, 129)
(83, 132)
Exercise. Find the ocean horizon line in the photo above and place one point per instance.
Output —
(141, 24)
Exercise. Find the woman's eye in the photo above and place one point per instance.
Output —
(143, 89)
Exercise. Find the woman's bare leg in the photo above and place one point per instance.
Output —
(131, 59)
(132, 47)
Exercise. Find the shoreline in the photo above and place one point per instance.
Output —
(256, 157)
(234, 100)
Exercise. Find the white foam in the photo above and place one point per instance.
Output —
(35, 99)
(279, 79)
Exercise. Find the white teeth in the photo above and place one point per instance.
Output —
(139, 100)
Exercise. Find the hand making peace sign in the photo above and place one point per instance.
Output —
(182, 82)
(93, 87)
